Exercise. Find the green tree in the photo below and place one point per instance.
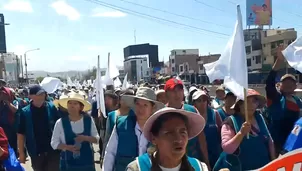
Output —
(90, 73)
(39, 79)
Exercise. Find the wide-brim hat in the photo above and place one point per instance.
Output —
(144, 93)
(196, 122)
(253, 93)
(56, 101)
(75, 97)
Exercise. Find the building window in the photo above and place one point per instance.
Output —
(147, 73)
(172, 61)
(258, 59)
(173, 69)
(248, 49)
(141, 61)
(248, 62)
(181, 68)
(184, 51)
(186, 68)
(273, 45)
(200, 67)
(264, 45)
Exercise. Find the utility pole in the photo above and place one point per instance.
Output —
(25, 63)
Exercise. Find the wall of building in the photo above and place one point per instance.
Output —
(137, 69)
(143, 49)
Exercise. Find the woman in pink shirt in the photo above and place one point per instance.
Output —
(246, 144)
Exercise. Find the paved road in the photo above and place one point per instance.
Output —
(27, 166)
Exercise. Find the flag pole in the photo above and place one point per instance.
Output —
(245, 108)
(99, 110)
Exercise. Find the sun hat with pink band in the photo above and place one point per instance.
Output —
(196, 122)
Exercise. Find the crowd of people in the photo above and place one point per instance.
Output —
(152, 128)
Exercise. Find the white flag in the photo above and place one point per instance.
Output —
(117, 82)
(293, 54)
(99, 91)
(231, 66)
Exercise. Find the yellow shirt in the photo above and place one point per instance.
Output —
(264, 17)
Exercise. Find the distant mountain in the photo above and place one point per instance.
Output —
(35, 74)
(63, 74)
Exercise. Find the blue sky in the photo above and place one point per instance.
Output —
(71, 33)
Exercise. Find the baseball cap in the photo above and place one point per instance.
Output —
(288, 76)
(36, 90)
(198, 94)
(171, 83)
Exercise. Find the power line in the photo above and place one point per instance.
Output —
(211, 6)
(171, 13)
(143, 15)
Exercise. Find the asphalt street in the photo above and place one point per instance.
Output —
(27, 165)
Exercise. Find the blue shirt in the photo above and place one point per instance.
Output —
(294, 140)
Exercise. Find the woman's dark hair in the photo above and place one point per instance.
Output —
(159, 122)
(237, 106)
(190, 100)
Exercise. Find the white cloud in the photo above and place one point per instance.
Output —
(97, 12)
(19, 5)
(62, 8)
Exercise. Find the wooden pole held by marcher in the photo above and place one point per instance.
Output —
(245, 108)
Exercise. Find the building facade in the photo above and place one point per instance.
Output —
(10, 67)
(151, 51)
(181, 61)
(261, 51)
(137, 68)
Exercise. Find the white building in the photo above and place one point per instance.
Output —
(137, 68)
(11, 71)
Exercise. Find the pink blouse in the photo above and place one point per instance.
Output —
(230, 146)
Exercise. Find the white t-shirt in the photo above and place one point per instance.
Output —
(77, 127)
(170, 169)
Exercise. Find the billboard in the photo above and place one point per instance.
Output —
(258, 12)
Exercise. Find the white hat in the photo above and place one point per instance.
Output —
(159, 91)
(198, 94)
(144, 93)
(192, 89)
(76, 97)
(196, 122)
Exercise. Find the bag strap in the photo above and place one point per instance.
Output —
(236, 127)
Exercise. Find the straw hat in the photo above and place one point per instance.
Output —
(76, 97)
(195, 126)
(253, 93)
(83, 94)
(144, 93)
(56, 102)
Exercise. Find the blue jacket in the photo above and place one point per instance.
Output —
(30, 138)
(86, 159)
(127, 149)
(193, 147)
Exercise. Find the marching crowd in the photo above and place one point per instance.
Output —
(152, 128)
